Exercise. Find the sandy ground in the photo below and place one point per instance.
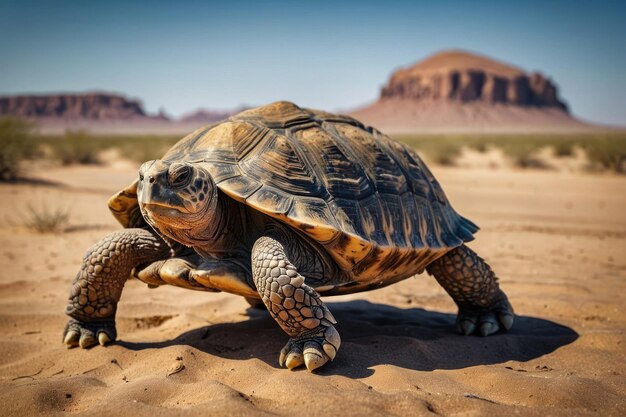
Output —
(557, 241)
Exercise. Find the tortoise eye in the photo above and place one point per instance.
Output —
(179, 175)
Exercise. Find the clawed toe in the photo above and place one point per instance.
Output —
(87, 340)
(488, 328)
(314, 356)
(507, 320)
(103, 339)
(294, 359)
(291, 356)
(466, 327)
(488, 324)
(71, 339)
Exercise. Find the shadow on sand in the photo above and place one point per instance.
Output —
(35, 181)
(374, 334)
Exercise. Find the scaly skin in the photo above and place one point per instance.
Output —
(474, 288)
(295, 306)
(98, 285)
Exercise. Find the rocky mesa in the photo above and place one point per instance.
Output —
(89, 106)
(458, 90)
(463, 77)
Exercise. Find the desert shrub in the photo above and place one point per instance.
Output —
(479, 146)
(85, 148)
(45, 218)
(444, 154)
(441, 150)
(607, 153)
(563, 148)
(16, 144)
(76, 148)
(144, 148)
(523, 153)
(528, 160)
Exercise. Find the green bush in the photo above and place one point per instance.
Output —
(441, 150)
(480, 146)
(523, 153)
(144, 148)
(16, 144)
(76, 148)
(606, 154)
(85, 148)
(563, 148)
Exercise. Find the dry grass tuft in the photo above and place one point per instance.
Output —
(45, 218)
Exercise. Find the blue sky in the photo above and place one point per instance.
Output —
(181, 55)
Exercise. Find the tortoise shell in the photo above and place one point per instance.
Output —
(370, 201)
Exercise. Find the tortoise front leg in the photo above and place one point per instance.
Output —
(473, 286)
(98, 285)
(295, 306)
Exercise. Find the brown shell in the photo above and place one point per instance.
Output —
(370, 201)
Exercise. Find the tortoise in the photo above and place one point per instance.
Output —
(281, 205)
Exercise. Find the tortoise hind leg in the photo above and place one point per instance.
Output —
(468, 279)
(295, 306)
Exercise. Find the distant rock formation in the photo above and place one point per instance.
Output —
(89, 106)
(459, 90)
(464, 77)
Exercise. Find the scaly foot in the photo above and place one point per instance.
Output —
(312, 349)
(86, 334)
(486, 321)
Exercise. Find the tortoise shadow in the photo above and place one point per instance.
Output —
(375, 334)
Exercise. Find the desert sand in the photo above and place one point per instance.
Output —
(557, 241)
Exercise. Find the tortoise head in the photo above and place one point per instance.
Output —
(177, 198)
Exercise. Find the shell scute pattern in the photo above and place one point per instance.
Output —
(274, 201)
(277, 115)
(277, 161)
(342, 177)
(382, 170)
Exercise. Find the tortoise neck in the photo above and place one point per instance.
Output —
(225, 229)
